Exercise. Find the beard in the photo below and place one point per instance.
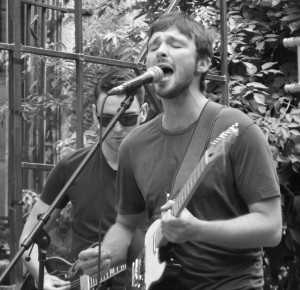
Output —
(180, 85)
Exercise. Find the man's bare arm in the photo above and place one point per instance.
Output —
(114, 246)
(261, 227)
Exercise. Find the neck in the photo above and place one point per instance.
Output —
(110, 155)
(183, 111)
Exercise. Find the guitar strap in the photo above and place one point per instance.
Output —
(195, 149)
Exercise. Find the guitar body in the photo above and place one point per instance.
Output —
(155, 265)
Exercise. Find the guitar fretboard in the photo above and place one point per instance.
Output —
(185, 195)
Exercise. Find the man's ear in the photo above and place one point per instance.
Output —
(144, 113)
(203, 65)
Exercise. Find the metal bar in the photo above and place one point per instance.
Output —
(14, 135)
(33, 138)
(94, 59)
(217, 78)
(224, 53)
(38, 166)
(293, 42)
(79, 74)
(295, 87)
(113, 62)
(298, 62)
(57, 8)
(57, 37)
(76, 56)
(49, 52)
(73, 56)
(41, 89)
(26, 126)
(7, 46)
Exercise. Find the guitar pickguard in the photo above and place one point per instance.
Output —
(154, 264)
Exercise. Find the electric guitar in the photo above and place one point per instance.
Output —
(153, 264)
(66, 271)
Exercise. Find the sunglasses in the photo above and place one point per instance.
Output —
(126, 120)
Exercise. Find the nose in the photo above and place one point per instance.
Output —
(118, 127)
(161, 51)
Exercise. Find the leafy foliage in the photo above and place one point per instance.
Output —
(259, 66)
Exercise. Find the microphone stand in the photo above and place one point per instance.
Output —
(38, 235)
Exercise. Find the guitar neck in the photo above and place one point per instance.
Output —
(190, 186)
(185, 194)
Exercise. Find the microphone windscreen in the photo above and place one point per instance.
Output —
(157, 72)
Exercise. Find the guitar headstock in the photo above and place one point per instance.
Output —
(221, 144)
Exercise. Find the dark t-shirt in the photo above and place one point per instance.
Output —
(89, 198)
(149, 158)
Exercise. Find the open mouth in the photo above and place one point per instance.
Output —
(167, 70)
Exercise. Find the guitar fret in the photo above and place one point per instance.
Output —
(193, 179)
(198, 169)
(188, 187)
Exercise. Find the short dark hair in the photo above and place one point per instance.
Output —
(115, 77)
(192, 29)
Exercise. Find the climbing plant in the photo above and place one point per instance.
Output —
(259, 66)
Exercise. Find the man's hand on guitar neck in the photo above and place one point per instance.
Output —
(177, 229)
(88, 262)
(52, 282)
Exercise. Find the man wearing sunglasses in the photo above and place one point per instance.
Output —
(84, 193)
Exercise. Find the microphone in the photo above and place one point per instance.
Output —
(153, 74)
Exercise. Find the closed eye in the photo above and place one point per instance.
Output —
(176, 45)
(153, 48)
